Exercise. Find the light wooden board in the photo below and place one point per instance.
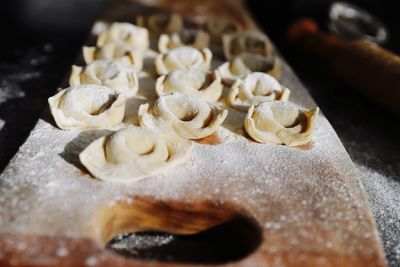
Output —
(308, 202)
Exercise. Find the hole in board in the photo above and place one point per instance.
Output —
(170, 231)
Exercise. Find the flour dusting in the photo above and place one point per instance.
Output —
(384, 201)
(9, 90)
(308, 200)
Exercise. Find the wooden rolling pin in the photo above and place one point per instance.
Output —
(369, 68)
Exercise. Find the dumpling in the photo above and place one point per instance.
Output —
(205, 85)
(246, 63)
(125, 34)
(187, 37)
(255, 88)
(188, 116)
(248, 42)
(109, 73)
(87, 106)
(217, 27)
(161, 23)
(183, 58)
(118, 52)
(281, 123)
(134, 153)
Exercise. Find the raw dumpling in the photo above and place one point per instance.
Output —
(134, 153)
(124, 54)
(255, 88)
(246, 63)
(187, 37)
(161, 23)
(281, 123)
(205, 85)
(217, 27)
(87, 106)
(125, 34)
(109, 73)
(188, 116)
(183, 58)
(248, 42)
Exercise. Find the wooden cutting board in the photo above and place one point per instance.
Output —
(276, 205)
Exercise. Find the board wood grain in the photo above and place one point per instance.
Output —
(308, 203)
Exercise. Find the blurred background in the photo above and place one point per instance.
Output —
(41, 38)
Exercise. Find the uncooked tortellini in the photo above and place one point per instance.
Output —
(188, 116)
(281, 123)
(205, 85)
(187, 37)
(246, 63)
(255, 88)
(126, 34)
(126, 55)
(87, 106)
(133, 153)
(217, 27)
(108, 73)
(248, 42)
(161, 23)
(183, 58)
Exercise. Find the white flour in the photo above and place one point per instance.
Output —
(384, 198)
(286, 190)
(9, 90)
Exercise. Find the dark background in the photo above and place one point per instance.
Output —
(41, 38)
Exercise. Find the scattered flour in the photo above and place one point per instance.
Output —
(286, 190)
(384, 198)
(91, 261)
(9, 90)
(62, 252)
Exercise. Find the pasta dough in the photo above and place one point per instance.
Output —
(183, 58)
(281, 123)
(217, 27)
(108, 73)
(188, 116)
(248, 42)
(161, 23)
(87, 106)
(246, 63)
(255, 88)
(205, 85)
(125, 34)
(187, 37)
(134, 153)
(124, 54)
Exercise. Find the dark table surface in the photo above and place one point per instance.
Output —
(42, 40)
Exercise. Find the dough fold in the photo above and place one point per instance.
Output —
(125, 34)
(183, 58)
(134, 153)
(161, 23)
(247, 42)
(255, 88)
(205, 85)
(281, 123)
(187, 37)
(118, 52)
(108, 73)
(189, 117)
(247, 63)
(87, 106)
(218, 27)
